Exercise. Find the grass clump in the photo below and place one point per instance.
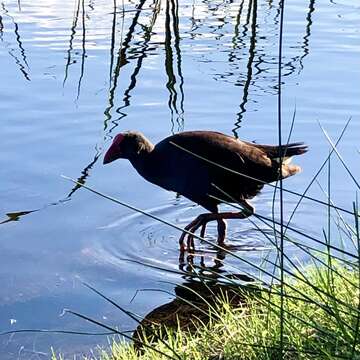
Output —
(321, 321)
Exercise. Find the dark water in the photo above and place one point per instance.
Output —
(75, 73)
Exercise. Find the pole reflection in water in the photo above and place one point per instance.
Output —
(122, 59)
(252, 9)
(120, 62)
(83, 48)
(306, 38)
(79, 7)
(177, 111)
(72, 36)
(21, 61)
(84, 174)
(140, 54)
(113, 39)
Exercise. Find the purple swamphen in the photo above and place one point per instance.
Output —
(208, 168)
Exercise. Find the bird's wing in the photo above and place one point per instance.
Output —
(192, 162)
(221, 149)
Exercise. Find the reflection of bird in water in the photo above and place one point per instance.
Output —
(213, 273)
(194, 302)
(197, 299)
(192, 164)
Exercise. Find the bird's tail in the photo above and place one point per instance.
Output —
(284, 151)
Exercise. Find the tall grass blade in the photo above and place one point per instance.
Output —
(128, 313)
(98, 323)
(303, 196)
(357, 326)
(339, 156)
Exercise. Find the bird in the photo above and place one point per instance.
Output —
(208, 168)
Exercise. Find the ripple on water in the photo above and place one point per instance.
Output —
(138, 239)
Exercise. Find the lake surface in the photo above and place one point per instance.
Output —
(75, 73)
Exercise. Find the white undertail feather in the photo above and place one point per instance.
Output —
(290, 170)
(285, 160)
(287, 168)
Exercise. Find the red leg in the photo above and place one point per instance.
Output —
(199, 221)
(221, 231)
(203, 219)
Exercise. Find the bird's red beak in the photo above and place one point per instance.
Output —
(112, 154)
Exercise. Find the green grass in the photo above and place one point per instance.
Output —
(321, 321)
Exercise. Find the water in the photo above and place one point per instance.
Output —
(75, 73)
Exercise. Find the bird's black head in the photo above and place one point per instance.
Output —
(127, 146)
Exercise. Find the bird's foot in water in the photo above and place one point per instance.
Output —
(203, 219)
(189, 231)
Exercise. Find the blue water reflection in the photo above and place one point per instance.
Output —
(75, 73)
